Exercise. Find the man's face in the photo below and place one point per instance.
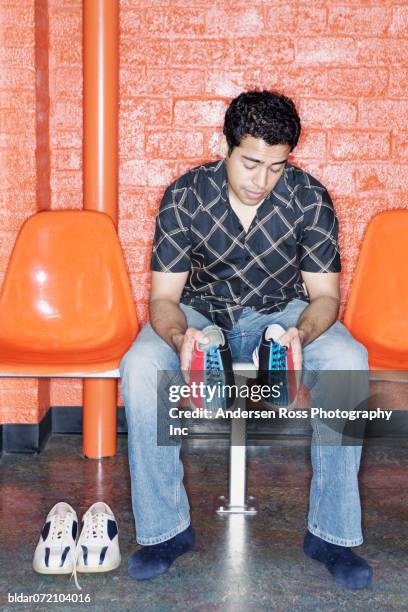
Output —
(254, 168)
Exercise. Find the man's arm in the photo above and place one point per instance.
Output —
(324, 295)
(167, 318)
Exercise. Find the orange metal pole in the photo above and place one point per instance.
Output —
(100, 159)
(99, 417)
(101, 80)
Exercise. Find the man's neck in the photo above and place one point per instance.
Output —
(244, 212)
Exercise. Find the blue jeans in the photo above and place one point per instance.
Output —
(159, 499)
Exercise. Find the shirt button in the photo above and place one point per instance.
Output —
(247, 258)
(240, 227)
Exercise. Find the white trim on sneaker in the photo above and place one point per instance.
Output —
(55, 551)
(97, 549)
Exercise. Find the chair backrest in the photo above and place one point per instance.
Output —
(67, 288)
(377, 309)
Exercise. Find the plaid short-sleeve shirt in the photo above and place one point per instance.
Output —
(294, 229)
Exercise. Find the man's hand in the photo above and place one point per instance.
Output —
(184, 344)
(292, 338)
(169, 321)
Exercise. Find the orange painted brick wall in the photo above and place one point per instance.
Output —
(65, 24)
(343, 62)
(20, 401)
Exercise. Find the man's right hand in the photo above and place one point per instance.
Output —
(184, 344)
(167, 318)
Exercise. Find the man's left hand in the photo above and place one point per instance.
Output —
(293, 338)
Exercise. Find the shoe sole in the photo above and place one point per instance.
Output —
(50, 570)
(96, 569)
(59, 571)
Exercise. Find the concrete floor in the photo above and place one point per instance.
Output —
(239, 564)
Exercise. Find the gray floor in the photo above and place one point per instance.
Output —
(239, 563)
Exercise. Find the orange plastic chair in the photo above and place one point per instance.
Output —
(66, 309)
(377, 309)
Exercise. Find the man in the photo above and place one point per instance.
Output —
(242, 243)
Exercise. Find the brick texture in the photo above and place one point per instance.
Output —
(65, 83)
(19, 401)
(343, 62)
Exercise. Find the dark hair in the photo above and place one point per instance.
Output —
(262, 114)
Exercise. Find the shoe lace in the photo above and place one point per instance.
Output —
(212, 364)
(278, 356)
(61, 527)
(93, 529)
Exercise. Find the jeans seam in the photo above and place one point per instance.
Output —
(319, 480)
(253, 333)
(177, 470)
(327, 537)
(166, 536)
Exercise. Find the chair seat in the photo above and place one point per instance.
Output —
(66, 305)
(46, 365)
(68, 370)
(376, 312)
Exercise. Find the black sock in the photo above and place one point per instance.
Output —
(151, 561)
(346, 567)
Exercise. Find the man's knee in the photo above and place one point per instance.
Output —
(341, 351)
(143, 370)
(147, 358)
(351, 355)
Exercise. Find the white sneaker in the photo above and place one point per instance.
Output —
(97, 549)
(55, 550)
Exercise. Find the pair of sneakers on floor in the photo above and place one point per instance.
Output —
(97, 548)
